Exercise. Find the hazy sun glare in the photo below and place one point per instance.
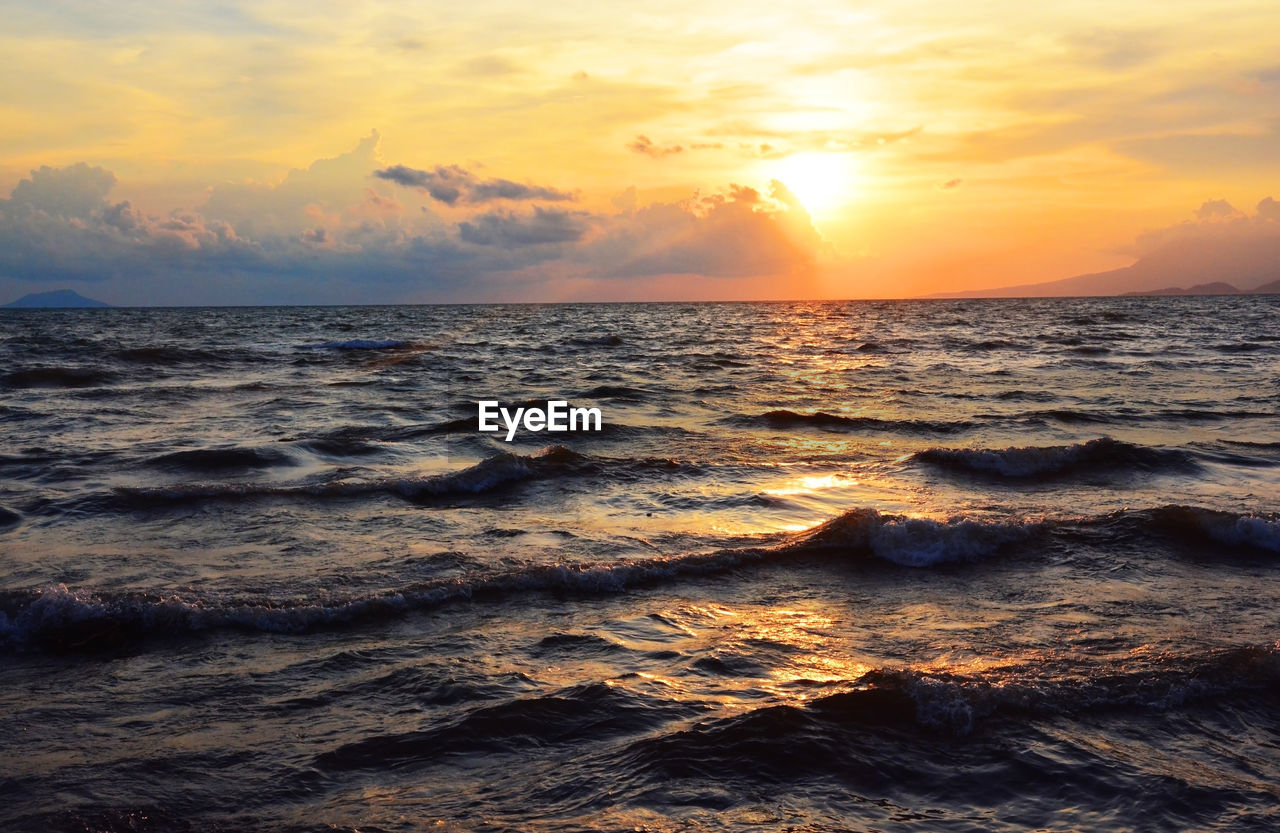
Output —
(823, 181)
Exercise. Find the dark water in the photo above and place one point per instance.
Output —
(954, 565)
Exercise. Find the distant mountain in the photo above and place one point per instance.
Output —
(1216, 288)
(58, 299)
(1272, 288)
(1246, 263)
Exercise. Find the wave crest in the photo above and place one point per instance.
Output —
(913, 542)
(60, 619)
(487, 475)
(1102, 454)
(786, 419)
(1224, 528)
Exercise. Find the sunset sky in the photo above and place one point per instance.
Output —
(275, 152)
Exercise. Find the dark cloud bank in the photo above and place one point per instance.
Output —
(451, 184)
(351, 230)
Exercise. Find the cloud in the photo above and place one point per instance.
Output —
(325, 190)
(647, 147)
(453, 184)
(1215, 221)
(739, 234)
(59, 226)
(323, 235)
(74, 191)
(509, 230)
(950, 184)
(1221, 243)
(1216, 209)
(644, 145)
(764, 150)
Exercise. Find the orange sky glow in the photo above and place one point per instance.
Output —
(490, 151)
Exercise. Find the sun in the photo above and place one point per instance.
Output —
(824, 182)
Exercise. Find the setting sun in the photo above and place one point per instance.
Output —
(822, 181)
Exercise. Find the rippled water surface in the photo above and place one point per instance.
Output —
(946, 565)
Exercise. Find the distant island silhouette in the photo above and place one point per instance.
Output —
(57, 299)
(1208, 267)
(1215, 288)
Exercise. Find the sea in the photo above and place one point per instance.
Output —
(944, 565)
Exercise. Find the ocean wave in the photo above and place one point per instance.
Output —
(898, 699)
(1191, 523)
(58, 377)
(590, 712)
(359, 344)
(597, 341)
(912, 542)
(1053, 688)
(336, 446)
(486, 475)
(620, 392)
(1102, 454)
(996, 344)
(165, 355)
(1201, 415)
(1240, 346)
(61, 619)
(1270, 446)
(1071, 416)
(833, 422)
(221, 459)
(8, 518)
(1066, 415)
(492, 473)
(1027, 395)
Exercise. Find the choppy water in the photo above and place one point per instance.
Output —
(949, 565)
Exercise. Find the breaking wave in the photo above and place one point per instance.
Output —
(62, 619)
(957, 703)
(1192, 523)
(913, 542)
